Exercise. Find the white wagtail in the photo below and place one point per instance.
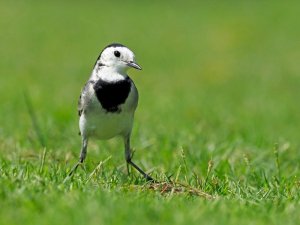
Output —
(108, 101)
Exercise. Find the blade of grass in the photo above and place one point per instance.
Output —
(34, 120)
(97, 169)
(43, 160)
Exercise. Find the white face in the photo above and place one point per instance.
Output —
(119, 58)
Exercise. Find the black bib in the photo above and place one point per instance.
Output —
(112, 94)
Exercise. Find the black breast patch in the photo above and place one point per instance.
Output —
(112, 94)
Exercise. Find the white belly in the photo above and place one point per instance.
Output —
(106, 125)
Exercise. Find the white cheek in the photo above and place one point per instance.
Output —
(127, 57)
(106, 58)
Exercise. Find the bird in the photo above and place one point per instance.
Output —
(108, 101)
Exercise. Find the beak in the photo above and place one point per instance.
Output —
(134, 65)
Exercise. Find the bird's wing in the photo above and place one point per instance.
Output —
(84, 97)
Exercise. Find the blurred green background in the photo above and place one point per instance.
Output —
(220, 82)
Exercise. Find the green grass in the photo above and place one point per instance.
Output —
(218, 112)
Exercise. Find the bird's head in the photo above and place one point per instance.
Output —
(118, 57)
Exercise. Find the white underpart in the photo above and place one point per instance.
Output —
(107, 125)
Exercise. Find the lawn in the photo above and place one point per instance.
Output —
(217, 123)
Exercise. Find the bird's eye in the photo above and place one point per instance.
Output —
(117, 54)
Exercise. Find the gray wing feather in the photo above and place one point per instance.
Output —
(84, 98)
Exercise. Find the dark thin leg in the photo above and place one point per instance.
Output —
(128, 168)
(146, 176)
(82, 156)
(128, 157)
(127, 164)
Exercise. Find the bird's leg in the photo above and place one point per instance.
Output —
(127, 164)
(128, 157)
(128, 170)
(82, 155)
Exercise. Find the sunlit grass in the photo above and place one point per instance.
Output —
(217, 123)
